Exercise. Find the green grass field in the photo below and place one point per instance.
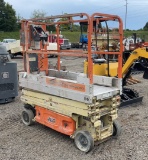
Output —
(142, 34)
(73, 36)
(13, 35)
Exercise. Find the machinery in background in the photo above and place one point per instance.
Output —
(83, 106)
(101, 67)
(83, 41)
(130, 44)
(63, 42)
(106, 40)
(8, 77)
(13, 47)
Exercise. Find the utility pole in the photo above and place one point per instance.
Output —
(125, 13)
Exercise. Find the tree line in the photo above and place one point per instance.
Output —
(9, 21)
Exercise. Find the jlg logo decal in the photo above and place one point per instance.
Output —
(52, 120)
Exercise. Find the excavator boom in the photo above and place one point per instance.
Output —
(135, 55)
(100, 67)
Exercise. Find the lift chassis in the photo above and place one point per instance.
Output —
(83, 106)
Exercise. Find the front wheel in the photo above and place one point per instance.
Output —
(84, 141)
(116, 129)
(27, 117)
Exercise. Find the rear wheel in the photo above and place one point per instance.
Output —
(27, 117)
(54, 56)
(84, 46)
(84, 141)
(11, 55)
(116, 129)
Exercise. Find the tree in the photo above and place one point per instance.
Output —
(8, 20)
(75, 27)
(39, 14)
(146, 27)
(2, 14)
(19, 18)
(66, 26)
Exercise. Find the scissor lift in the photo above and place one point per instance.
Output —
(83, 106)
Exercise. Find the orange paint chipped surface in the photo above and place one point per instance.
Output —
(68, 85)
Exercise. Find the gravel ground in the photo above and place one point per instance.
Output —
(38, 142)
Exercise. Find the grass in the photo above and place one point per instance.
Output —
(73, 36)
(7, 35)
(141, 34)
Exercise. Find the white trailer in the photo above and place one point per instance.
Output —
(13, 47)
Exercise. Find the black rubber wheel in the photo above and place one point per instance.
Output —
(11, 55)
(116, 129)
(54, 56)
(84, 141)
(84, 47)
(27, 117)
